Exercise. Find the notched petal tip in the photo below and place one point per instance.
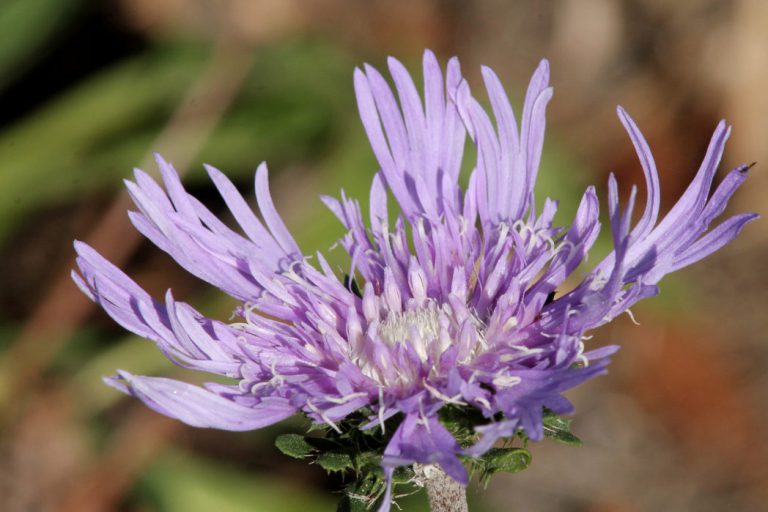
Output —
(453, 73)
(358, 77)
(118, 381)
(88, 253)
(540, 77)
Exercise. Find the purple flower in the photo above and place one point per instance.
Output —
(462, 298)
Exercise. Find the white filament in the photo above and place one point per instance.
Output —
(398, 327)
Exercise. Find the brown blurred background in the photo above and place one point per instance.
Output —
(89, 89)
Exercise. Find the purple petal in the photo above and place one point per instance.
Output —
(197, 406)
(712, 241)
(651, 213)
(425, 440)
(271, 217)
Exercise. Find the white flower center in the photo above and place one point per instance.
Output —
(430, 330)
(402, 327)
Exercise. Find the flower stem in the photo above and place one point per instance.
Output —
(445, 493)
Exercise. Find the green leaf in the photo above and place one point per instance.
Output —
(335, 461)
(294, 445)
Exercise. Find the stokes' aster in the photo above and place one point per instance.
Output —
(453, 303)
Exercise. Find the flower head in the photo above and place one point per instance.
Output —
(454, 299)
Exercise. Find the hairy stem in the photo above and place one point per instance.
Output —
(445, 493)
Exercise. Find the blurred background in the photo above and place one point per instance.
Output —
(89, 89)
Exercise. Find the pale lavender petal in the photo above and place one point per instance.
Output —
(196, 406)
(713, 241)
(243, 213)
(651, 213)
(271, 217)
(425, 440)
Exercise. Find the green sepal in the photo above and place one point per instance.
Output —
(294, 445)
(461, 423)
(335, 461)
(506, 460)
(361, 494)
(368, 462)
(564, 437)
(559, 429)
